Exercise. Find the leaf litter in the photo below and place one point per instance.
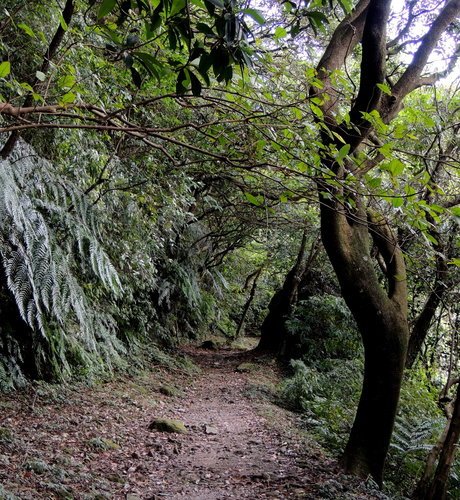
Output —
(80, 442)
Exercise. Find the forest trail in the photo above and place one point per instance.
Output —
(95, 443)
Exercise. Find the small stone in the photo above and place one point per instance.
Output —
(209, 429)
(168, 425)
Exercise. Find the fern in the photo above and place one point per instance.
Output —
(49, 249)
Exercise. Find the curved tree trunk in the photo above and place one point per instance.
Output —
(274, 338)
(381, 315)
(382, 320)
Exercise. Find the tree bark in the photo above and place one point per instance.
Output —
(56, 41)
(382, 320)
(437, 490)
(274, 337)
(381, 315)
(248, 303)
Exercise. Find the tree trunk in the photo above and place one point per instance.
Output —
(248, 303)
(438, 487)
(430, 465)
(345, 227)
(274, 337)
(382, 320)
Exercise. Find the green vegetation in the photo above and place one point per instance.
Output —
(174, 171)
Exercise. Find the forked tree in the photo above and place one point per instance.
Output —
(349, 229)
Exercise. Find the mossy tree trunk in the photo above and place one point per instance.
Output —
(381, 316)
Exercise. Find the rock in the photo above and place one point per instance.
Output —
(38, 466)
(103, 444)
(168, 425)
(209, 344)
(247, 367)
(169, 390)
(132, 496)
(209, 429)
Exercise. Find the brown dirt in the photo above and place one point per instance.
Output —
(239, 444)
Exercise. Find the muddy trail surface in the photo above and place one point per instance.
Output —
(95, 443)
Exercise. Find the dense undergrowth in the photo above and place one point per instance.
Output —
(325, 384)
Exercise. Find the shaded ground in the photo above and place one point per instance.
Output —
(94, 443)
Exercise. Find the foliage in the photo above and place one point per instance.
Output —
(324, 328)
(48, 233)
(327, 397)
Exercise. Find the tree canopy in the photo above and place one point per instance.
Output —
(171, 166)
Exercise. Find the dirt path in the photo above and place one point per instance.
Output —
(94, 443)
(233, 450)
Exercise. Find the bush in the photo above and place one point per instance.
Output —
(328, 398)
(324, 328)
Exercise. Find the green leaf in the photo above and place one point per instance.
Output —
(40, 76)
(343, 151)
(27, 29)
(280, 32)
(66, 81)
(386, 149)
(5, 69)
(216, 3)
(317, 111)
(255, 14)
(204, 28)
(106, 8)
(150, 63)
(317, 20)
(136, 77)
(346, 5)
(455, 262)
(455, 211)
(62, 22)
(258, 200)
(176, 7)
(183, 81)
(196, 85)
(68, 98)
(384, 88)
(397, 201)
(374, 182)
(396, 167)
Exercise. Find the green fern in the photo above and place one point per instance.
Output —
(49, 249)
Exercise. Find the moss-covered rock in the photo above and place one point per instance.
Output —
(36, 465)
(209, 344)
(103, 444)
(168, 425)
(169, 390)
(247, 367)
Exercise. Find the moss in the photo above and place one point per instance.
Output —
(168, 425)
(6, 435)
(169, 390)
(36, 465)
(103, 444)
(247, 367)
